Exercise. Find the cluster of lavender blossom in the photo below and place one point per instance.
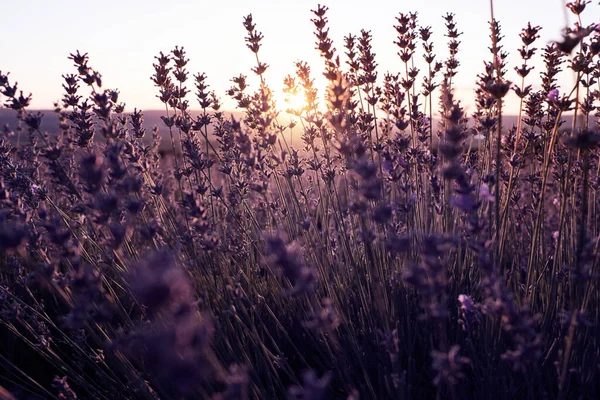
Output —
(385, 257)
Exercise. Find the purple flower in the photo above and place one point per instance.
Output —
(469, 314)
(288, 258)
(498, 60)
(313, 388)
(390, 341)
(484, 192)
(326, 319)
(553, 95)
(466, 304)
(237, 384)
(159, 283)
(63, 388)
(448, 366)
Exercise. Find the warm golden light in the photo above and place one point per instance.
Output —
(294, 103)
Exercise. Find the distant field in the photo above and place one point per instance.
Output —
(152, 119)
(50, 123)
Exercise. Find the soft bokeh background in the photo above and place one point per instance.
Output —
(122, 38)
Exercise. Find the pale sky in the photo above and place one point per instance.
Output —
(122, 38)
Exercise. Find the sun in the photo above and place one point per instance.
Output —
(294, 103)
(293, 97)
(296, 100)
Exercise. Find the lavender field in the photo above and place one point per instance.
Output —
(375, 240)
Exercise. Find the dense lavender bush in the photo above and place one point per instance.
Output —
(386, 257)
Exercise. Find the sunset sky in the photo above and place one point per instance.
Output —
(122, 38)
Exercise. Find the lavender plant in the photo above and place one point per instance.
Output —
(395, 251)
